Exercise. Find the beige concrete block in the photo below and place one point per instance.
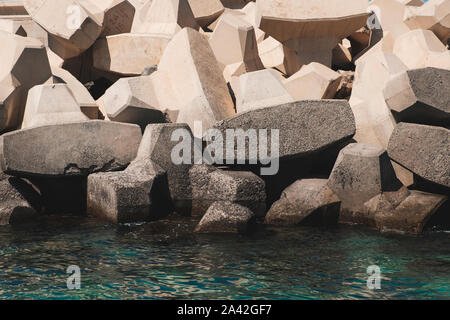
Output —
(342, 57)
(116, 16)
(24, 26)
(234, 12)
(51, 104)
(164, 17)
(390, 15)
(84, 99)
(192, 81)
(421, 48)
(127, 53)
(133, 100)
(234, 43)
(54, 59)
(206, 11)
(12, 8)
(250, 14)
(72, 28)
(139, 3)
(310, 28)
(434, 15)
(24, 65)
(274, 54)
(259, 89)
(420, 96)
(374, 120)
(313, 81)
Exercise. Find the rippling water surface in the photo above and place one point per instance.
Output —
(166, 260)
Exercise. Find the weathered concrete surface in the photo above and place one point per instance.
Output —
(206, 11)
(420, 96)
(360, 173)
(313, 81)
(305, 202)
(51, 104)
(73, 149)
(210, 184)
(423, 150)
(272, 54)
(138, 194)
(164, 17)
(234, 45)
(128, 54)
(23, 26)
(428, 50)
(82, 96)
(433, 15)
(116, 16)
(24, 65)
(226, 217)
(410, 215)
(374, 120)
(305, 127)
(14, 205)
(157, 145)
(133, 100)
(254, 90)
(364, 180)
(390, 15)
(72, 28)
(192, 81)
(12, 8)
(310, 28)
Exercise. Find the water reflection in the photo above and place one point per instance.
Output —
(165, 260)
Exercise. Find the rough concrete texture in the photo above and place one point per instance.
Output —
(361, 172)
(71, 149)
(158, 144)
(423, 150)
(138, 194)
(116, 16)
(226, 217)
(320, 124)
(409, 216)
(14, 205)
(210, 184)
(420, 96)
(305, 202)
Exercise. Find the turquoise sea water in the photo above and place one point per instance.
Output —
(165, 260)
